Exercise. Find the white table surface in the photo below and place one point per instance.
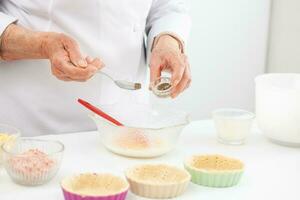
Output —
(272, 171)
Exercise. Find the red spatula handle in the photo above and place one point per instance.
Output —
(99, 112)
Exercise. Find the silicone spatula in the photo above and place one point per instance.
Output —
(99, 112)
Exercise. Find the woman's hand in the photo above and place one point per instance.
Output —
(167, 56)
(67, 62)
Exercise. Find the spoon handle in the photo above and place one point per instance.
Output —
(127, 85)
(105, 74)
(99, 112)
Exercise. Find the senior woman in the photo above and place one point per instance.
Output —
(51, 51)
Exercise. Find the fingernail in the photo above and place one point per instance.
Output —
(82, 63)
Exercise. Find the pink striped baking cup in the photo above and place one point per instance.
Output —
(73, 196)
(94, 186)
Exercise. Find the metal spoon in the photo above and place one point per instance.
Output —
(123, 84)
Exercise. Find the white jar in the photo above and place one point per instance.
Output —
(232, 125)
(278, 107)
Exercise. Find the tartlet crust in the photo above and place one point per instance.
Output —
(157, 174)
(214, 163)
(93, 184)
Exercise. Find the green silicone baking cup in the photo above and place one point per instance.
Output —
(215, 179)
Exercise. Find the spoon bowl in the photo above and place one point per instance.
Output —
(127, 85)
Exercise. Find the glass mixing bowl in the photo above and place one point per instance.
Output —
(148, 132)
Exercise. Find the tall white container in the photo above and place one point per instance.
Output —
(278, 107)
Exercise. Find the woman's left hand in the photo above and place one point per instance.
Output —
(167, 56)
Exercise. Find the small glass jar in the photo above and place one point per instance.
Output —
(233, 125)
(162, 87)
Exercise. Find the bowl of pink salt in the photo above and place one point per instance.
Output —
(32, 161)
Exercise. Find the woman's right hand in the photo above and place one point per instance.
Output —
(67, 62)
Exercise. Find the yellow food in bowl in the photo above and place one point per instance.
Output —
(5, 137)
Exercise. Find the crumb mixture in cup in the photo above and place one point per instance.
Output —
(94, 186)
(159, 181)
(214, 170)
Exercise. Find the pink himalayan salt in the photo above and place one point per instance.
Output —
(31, 163)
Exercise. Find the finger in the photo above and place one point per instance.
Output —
(55, 71)
(189, 72)
(59, 74)
(178, 69)
(186, 61)
(92, 71)
(186, 80)
(89, 59)
(155, 68)
(188, 85)
(183, 84)
(97, 63)
(64, 78)
(72, 48)
(73, 72)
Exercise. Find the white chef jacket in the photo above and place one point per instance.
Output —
(120, 32)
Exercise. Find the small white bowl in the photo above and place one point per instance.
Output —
(232, 125)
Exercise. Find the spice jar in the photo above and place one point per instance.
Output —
(162, 87)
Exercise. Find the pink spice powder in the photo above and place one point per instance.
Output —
(31, 163)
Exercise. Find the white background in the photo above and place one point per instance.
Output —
(227, 49)
(284, 48)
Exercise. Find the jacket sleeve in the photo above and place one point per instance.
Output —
(171, 16)
(5, 20)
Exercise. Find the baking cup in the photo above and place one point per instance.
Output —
(74, 190)
(214, 170)
(157, 181)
